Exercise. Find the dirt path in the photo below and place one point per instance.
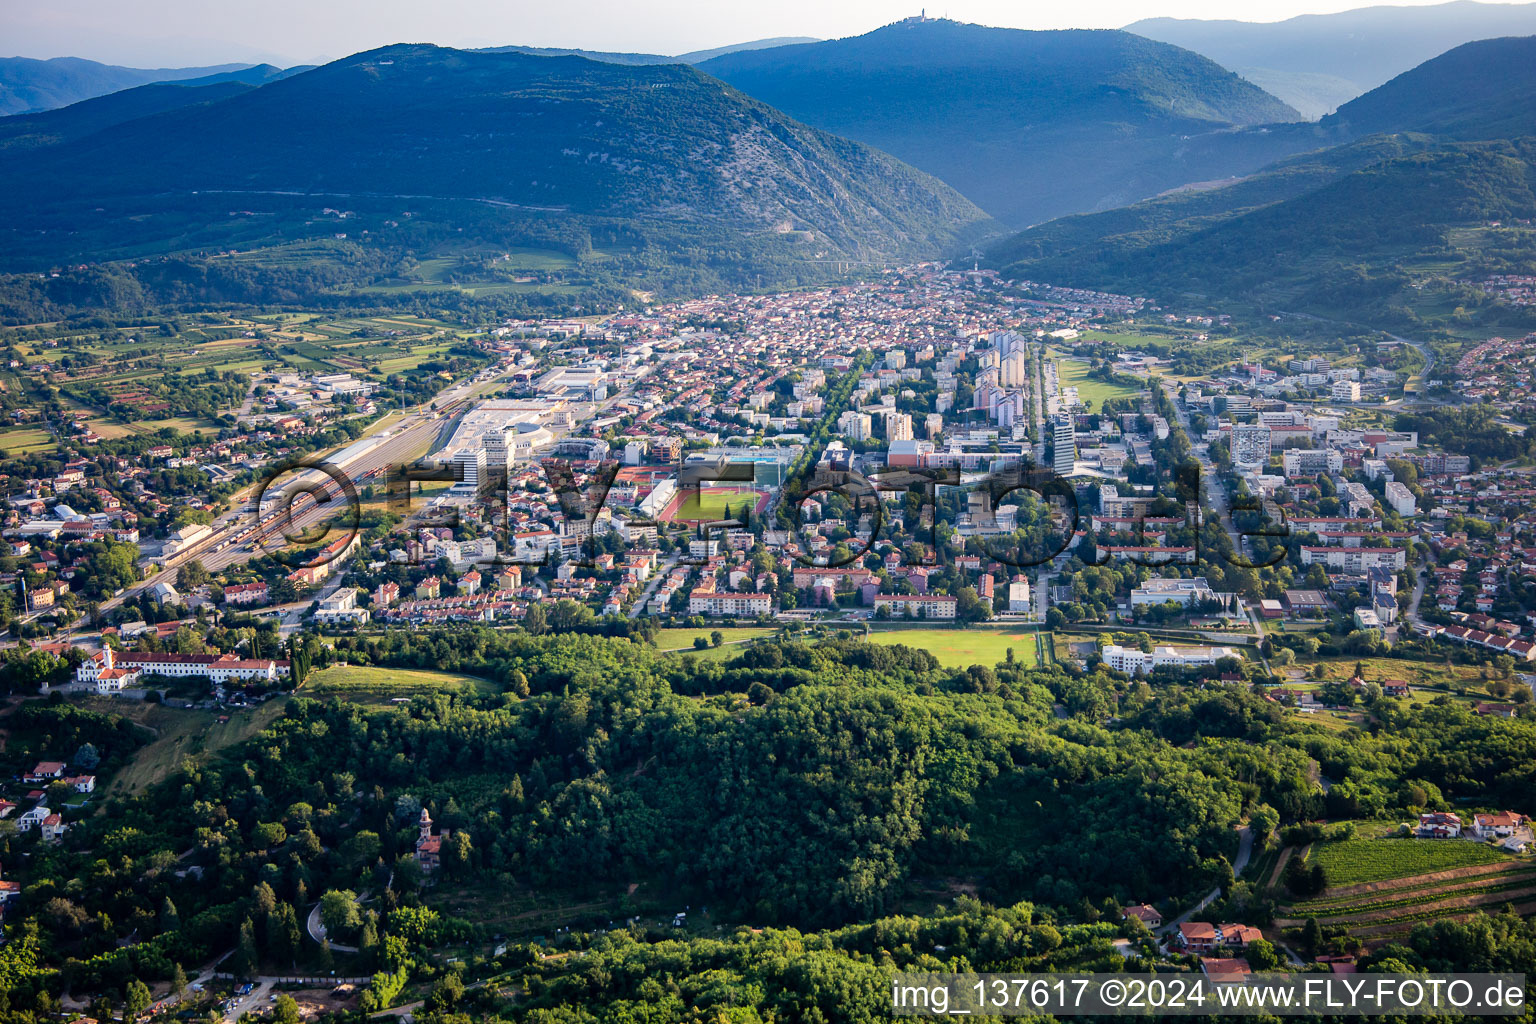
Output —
(1451, 903)
(1280, 863)
(1399, 927)
(1434, 889)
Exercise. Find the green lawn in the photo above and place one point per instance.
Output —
(180, 733)
(370, 685)
(682, 639)
(1353, 861)
(961, 648)
(1072, 373)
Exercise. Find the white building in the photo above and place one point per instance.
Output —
(1311, 461)
(342, 607)
(1401, 499)
(1345, 391)
(1018, 595)
(928, 606)
(1180, 591)
(709, 602)
(1250, 445)
(1134, 661)
(98, 668)
(1354, 560)
(469, 467)
(858, 426)
(1064, 444)
(186, 537)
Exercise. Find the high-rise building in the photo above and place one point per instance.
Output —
(1064, 442)
(898, 426)
(469, 466)
(1250, 445)
(1015, 369)
(856, 425)
(1345, 391)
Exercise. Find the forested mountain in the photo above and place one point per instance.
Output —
(1481, 90)
(1316, 62)
(27, 84)
(50, 127)
(1338, 225)
(832, 787)
(528, 136)
(1309, 249)
(605, 56)
(697, 56)
(1029, 125)
(611, 57)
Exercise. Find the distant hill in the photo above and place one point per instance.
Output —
(635, 59)
(1318, 61)
(1479, 90)
(1029, 125)
(51, 127)
(29, 85)
(1445, 146)
(605, 56)
(531, 136)
(698, 56)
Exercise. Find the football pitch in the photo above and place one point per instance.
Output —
(708, 504)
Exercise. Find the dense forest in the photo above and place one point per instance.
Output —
(811, 784)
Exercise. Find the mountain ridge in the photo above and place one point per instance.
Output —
(558, 135)
(28, 85)
(978, 107)
(1341, 223)
(1341, 55)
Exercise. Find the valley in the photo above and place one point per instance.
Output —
(520, 527)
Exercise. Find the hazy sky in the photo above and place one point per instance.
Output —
(153, 33)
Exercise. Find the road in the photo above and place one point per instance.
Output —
(1244, 852)
(1215, 497)
(317, 931)
(660, 574)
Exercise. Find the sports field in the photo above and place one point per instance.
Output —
(708, 504)
(962, 648)
(1072, 373)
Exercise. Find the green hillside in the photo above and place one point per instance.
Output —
(1029, 125)
(51, 127)
(681, 181)
(1384, 227)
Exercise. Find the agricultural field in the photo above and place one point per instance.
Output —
(1433, 678)
(1379, 911)
(365, 684)
(1072, 373)
(1356, 861)
(682, 639)
(962, 648)
(25, 440)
